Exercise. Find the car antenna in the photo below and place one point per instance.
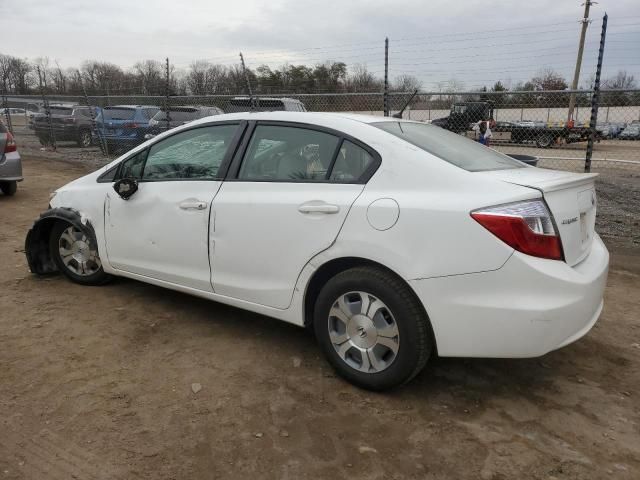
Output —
(399, 114)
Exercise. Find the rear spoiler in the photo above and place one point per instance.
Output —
(562, 182)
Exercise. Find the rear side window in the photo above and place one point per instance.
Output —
(282, 153)
(450, 147)
(351, 163)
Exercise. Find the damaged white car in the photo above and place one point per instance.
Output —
(394, 240)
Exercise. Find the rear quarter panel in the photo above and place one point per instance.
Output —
(434, 234)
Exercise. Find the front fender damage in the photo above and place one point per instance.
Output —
(36, 246)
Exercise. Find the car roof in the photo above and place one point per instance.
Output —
(300, 117)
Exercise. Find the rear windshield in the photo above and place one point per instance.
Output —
(450, 147)
(61, 110)
(178, 115)
(118, 113)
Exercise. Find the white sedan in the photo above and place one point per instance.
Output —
(394, 240)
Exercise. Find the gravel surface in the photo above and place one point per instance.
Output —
(134, 381)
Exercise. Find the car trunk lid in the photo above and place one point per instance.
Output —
(571, 197)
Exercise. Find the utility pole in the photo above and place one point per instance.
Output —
(576, 74)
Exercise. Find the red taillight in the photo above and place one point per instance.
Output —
(10, 146)
(130, 125)
(524, 226)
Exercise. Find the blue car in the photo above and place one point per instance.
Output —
(122, 127)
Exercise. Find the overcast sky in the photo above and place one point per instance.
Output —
(476, 42)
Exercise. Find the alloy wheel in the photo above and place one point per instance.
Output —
(363, 332)
(77, 252)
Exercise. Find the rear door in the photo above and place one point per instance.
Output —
(290, 190)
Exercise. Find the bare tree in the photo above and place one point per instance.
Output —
(406, 83)
(620, 81)
(549, 79)
(360, 79)
(150, 77)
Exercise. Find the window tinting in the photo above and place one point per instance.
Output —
(288, 154)
(450, 147)
(351, 163)
(193, 154)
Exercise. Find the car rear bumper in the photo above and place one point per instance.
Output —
(10, 167)
(527, 308)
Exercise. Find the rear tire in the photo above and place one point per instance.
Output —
(372, 328)
(9, 188)
(76, 255)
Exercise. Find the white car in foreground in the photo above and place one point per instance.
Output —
(392, 239)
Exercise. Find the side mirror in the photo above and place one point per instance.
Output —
(125, 187)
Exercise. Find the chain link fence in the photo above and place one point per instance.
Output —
(522, 123)
(532, 125)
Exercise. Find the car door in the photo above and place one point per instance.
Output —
(284, 201)
(161, 231)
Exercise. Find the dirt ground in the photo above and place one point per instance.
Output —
(97, 383)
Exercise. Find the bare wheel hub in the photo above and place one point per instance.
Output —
(363, 332)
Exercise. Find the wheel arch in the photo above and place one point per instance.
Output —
(36, 245)
(337, 265)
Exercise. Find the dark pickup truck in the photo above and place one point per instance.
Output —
(68, 123)
(464, 115)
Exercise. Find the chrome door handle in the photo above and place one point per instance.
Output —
(193, 205)
(323, 208)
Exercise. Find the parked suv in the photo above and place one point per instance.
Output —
(179, 115)
(122, 127)
(10, 163)
(264, 104)
(68, 123)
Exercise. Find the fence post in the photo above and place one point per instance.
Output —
(166, 94)
(94, 125)
(47, 110)
(248, 83)
(595, 98)
(385, 96)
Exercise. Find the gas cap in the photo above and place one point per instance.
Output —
(383, 213)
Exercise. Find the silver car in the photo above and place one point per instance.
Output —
(10, 163)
